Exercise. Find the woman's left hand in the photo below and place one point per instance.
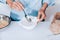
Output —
(41, 15)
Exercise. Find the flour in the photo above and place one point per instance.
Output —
(28, 25)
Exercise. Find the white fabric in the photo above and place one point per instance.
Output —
(5, 9)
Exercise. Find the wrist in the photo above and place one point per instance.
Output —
(42, 10)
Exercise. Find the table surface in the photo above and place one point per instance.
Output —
(15, 32)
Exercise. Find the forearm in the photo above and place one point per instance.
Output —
(45, 5)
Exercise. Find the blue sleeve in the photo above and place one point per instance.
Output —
(50, 2)
(2, 1)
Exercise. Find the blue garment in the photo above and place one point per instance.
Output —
(31, 8)
(3, 1)
(36, 4)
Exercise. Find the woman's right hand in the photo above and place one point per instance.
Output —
(15, 5)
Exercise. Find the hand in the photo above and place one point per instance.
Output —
(17, 6)
(41, 15)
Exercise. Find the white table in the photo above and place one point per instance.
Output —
(15, 32)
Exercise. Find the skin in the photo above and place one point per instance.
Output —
(42, 12)
(17, 5)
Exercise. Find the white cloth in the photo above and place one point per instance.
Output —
(5, 9)
(3, 1)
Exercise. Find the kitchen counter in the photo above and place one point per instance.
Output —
(15, 32)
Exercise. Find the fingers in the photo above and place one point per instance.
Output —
(17, 6)
(20, 4)
(14, 6)
(9, 2)
(38, 18)
(41, 16)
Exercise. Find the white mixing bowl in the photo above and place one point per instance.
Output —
(28, 25)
